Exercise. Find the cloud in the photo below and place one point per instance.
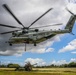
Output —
(73, 60)
(71, 1)
(37, 61)
(12, 50)
(73, 52)
(70, 47)
(41, 62)
(60, 62)
(72, 6)
(40, 48)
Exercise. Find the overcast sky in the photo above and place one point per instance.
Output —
(27, 11)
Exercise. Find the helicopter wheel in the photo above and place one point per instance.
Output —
(10, 44)
(35, 44)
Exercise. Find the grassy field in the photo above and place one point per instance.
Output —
(39, 71)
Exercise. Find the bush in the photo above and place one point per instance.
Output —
(28, 67)
(20, 69)
(13, 65)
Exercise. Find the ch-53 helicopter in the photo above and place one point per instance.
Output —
(29, 35)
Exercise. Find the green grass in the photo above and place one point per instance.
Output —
(32, 73)
(40, 71)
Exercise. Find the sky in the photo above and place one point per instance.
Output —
(58, 50)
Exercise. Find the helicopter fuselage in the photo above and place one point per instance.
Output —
(35, 37)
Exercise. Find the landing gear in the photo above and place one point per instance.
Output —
(10, 44)
(35, 44)
(25, 46)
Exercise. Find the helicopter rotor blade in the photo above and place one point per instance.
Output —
(40, 17)
(47, 26)
(8, 32)
(9, 10)
(9, 26)
(69, 11)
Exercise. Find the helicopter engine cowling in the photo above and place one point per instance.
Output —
(17, 34)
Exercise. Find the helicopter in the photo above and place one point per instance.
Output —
(34, 36)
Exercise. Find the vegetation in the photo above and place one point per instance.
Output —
(50, 68)
(28, 67)
(70, 65)
(10, 65)
(15, 69)
(40, 71)
(13, 65)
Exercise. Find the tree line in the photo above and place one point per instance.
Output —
(28, 66)
(11, 65)
(70, 65)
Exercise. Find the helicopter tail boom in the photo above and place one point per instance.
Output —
(71, 21)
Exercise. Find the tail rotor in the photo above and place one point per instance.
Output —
(70, 12)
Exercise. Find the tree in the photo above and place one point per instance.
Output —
(28, 66)
(2, 66)
(13, 65)
(72, 64)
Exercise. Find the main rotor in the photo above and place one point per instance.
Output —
(23, 28)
